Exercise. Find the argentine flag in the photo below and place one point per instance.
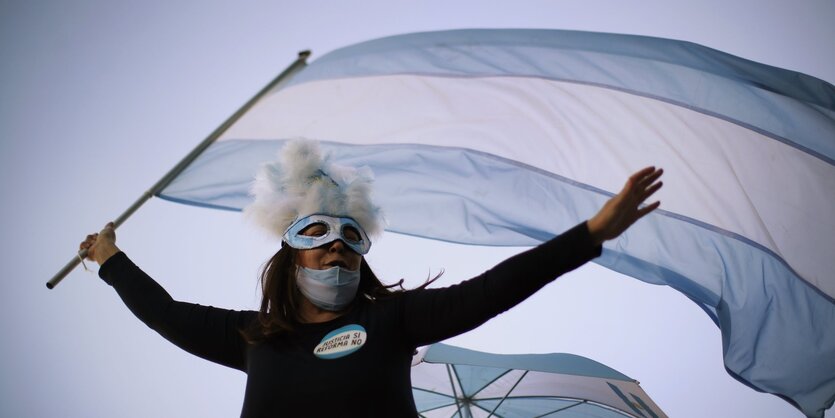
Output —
(508, 137)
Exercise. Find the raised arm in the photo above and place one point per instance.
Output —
(435, 314)
(208, 332)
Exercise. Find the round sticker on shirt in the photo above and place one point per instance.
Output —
(341, 342)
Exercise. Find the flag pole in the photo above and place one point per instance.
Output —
(295, 67)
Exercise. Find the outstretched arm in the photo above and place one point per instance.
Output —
(436, 314)
(204, 331)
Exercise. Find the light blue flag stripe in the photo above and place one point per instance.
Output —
(786, 105)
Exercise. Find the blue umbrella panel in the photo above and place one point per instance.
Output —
(454, 382)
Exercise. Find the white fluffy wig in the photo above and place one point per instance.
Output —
(304, 182)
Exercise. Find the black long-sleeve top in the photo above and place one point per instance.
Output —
(357, 365)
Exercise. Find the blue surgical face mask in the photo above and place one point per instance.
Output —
(331, 289)
(331, 229)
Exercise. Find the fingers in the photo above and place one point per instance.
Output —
(641, 174)
(645, 177)
(625, 208)
(108, 229)
(88, 241)
(651, 190)
(91, 239)
(640, 180)
(650, 178)
(644, 184)
(87, 244)
(647, 209)
(647, 186)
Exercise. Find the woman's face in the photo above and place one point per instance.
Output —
(332, 254)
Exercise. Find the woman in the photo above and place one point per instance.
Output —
(330, 340)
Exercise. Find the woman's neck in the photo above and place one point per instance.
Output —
(313, 314)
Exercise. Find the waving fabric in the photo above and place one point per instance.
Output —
(508, 137)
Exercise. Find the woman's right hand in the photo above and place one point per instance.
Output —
(102, 245)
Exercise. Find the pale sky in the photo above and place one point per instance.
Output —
(98, 99)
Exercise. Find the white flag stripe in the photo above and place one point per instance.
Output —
(560, 136)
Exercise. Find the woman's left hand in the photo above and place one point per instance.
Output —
(623, 210)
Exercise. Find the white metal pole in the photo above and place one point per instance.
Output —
(297, 65)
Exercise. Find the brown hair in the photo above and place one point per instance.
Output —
(281, 298)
